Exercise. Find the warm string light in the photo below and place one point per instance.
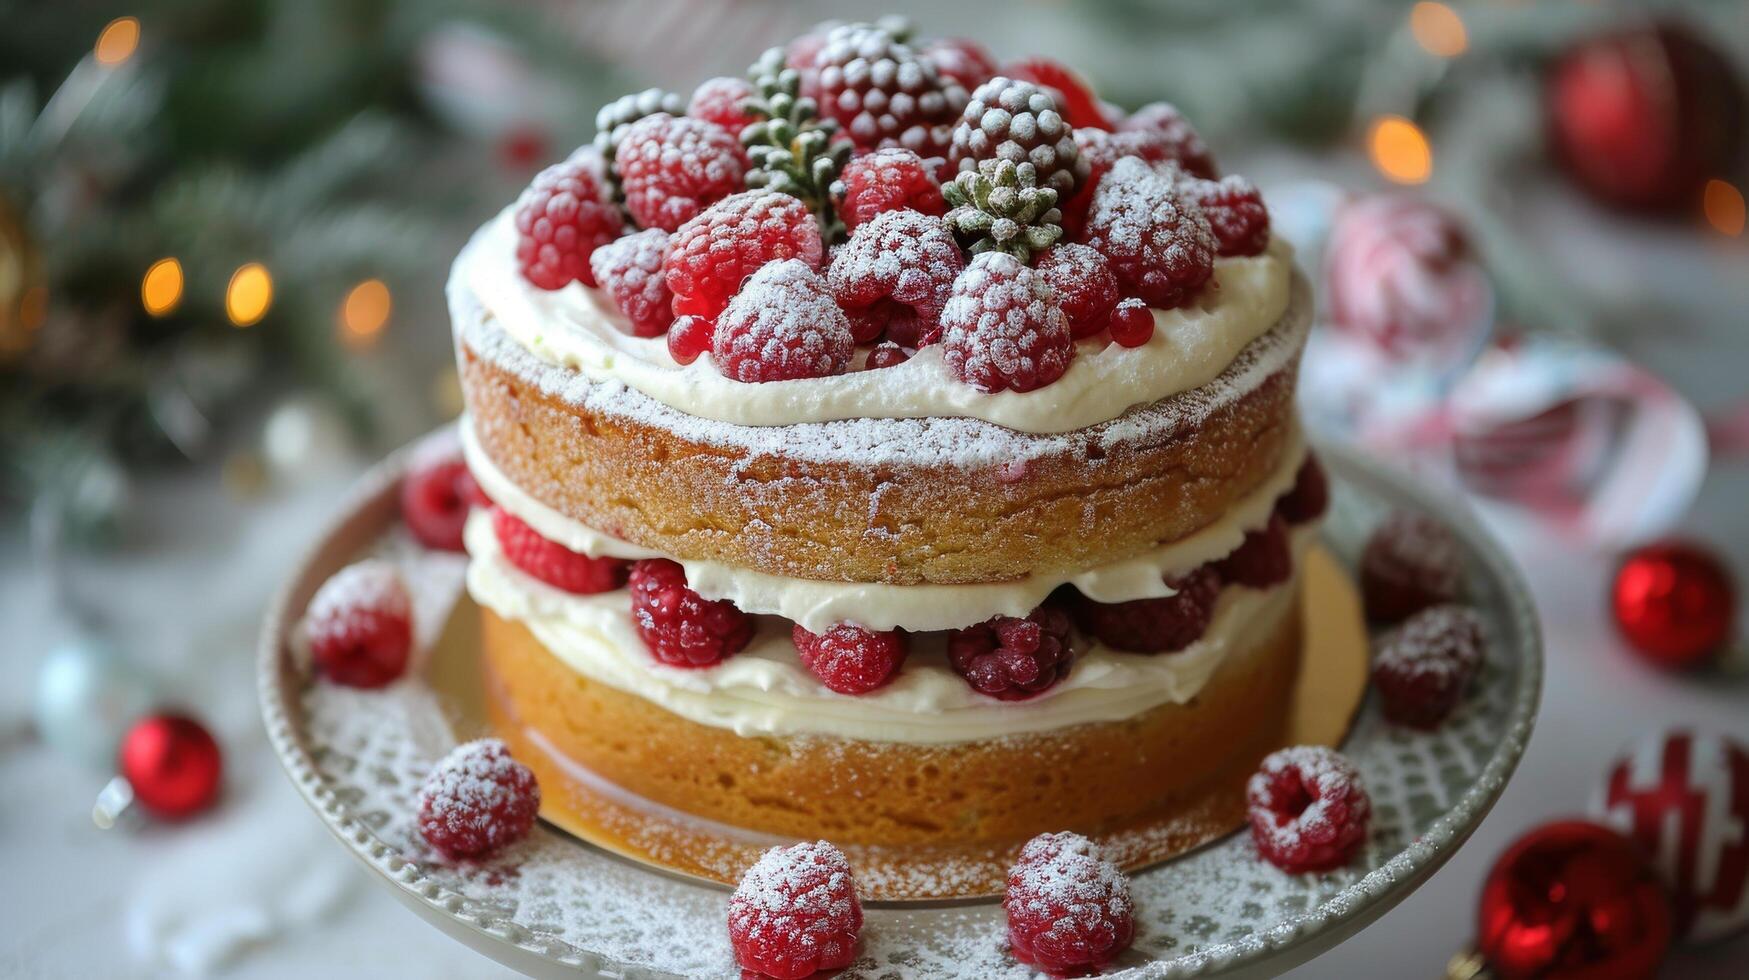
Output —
(249, 294)
(364, 313)
(118, 41)
(161, 287)
(1723, 206)
(1400, 150)
(1438, 29)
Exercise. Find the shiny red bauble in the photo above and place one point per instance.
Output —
(1674, 602)
(173, 765)
(1573, 900)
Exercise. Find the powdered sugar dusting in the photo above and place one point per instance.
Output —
(1446, 640)
(782, 326)
(797, 906)
(372, 584)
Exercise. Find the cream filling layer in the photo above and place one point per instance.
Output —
(575, 327)
(817, 605)
(765, 690)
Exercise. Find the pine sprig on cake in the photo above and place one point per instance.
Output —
(617, 116)
(1000, 207)
(789, 146)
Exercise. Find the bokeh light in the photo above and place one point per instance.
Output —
(1723, 205)
(1438, 29)
(1400, 150)
(365, 312)
(118, 41)
(161, 288)
(249, 295)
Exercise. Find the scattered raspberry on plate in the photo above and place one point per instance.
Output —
(359, 625)
(437, 494)
(553, 563)
(477, 800)
(1069, 910)
(680, 627)
(1410, 562)
(1424, 666)
(795, 913)
(850, 659)
(1013, 659)
(1308, 809)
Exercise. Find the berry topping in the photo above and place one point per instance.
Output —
(883, 94)
(795, 913)
(1234, 207)
(781, 326)
(1100, 149)
(1074, 96)
(359, 625)
(1000, 207)
(477, 800)
(1159, 244)
(617, 116)
(1308, 809)
(711, 255)
(849, 659)
(1132, 323)
(1002, 327)
(1069, 909)
(1017, 121)
(673, 167)
(682, 628)
(1013, 659)
(629, 270)
(1424, 665)
(436, 495)
(885, 180)
(723, 101)
(561, 218)
(895, 274)
(1182, 144)
(1410, 562)
(689, 337)
(1263, 559)
(963, 61)
(886, 355)
(1310, 496)
(1085, 287)
(1157, 625)
(553, 563)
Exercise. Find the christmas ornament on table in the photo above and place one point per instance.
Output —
(169, 764)
(1675, 603)
(87, 696)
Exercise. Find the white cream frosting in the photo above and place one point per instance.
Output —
(765, 690)
(817, 605)
(575, 328)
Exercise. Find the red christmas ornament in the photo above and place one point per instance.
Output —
(1642, 118)
(173, 765)
(1573, 900)
(1684, 797)
(1674, 602)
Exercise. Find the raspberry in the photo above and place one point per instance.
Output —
(1263, 559)
(673, 167)
(1100, 150)
(1183, 146)
(883, 94)
(963, 61)
(1013, 659)
(1069, 910)
(849, 659)
(1308, 809)
(1002, 327)
(722, 101)
(1079, 105)
(1424, 665)
(1310, 496)
(561, 218)
(781, 326)
(1157, 625)
(711, 255)
(682, 628)
(553, 563)
(630, 271)
(896, 273)
(795, 913)
(477, 800)
(1410, 562)
(885, 180)
(1234, 207)
(1159, 245)
(360, 625)
(1085, 287)
(1017, 121)
(436, 496)
(689, 337)
(1132, 323)
(886, 355)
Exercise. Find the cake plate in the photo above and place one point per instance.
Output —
(565, 908)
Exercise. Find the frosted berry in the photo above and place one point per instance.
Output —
(782, 325)
(795, 913)
(712, 254)
(562, 218)
(1074, 96)
(688, 337)
(1132, 323)
(885, 180)
(1157, 625)
(436, 496)
(1002, 327)
(1410, 562)
(1264, 559)
(849, 659)
(896, 273)
(723, 101)
(553, 563)
(1308, 810)
(1069, 910)
(1424, 666)
(1235, 211)
(359, 625)
(1310, 496)
(673, 167)
(680, 627)
(882, 94)
(629, 270)
(1084, 286)
(1182, 144)
(1014, 120)
(1099, 150)
(1013, 659)
(886, 355)
(477, 800)
(960, 60)
(1159, 245)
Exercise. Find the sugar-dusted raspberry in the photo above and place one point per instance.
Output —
(723, 101)
(1308, 809)
(359, 625)
(1264, 559)
(886, 355)
(629, 270)
(849, 659)
(680, 627)
(1085, 287)
(477, 800)
(1069, 910)
(1014, 659)
(1099, 150)
(963, 61)
(688, 337)
(1234, 207)
(1075, 97)
(1159, 245)
(436, 495)
(1002, 327)
(899, 266)
(1132, 323)
(673, 167)
(1157, 625)
(553, 563)
(1410, 562)
(1423, 666)
(1183, 146)
(1018, 121)
(711, 255)
(1310, 496)
(561, 218)
(795, 913)
(885, 180)
(781, 326)
(883, 94)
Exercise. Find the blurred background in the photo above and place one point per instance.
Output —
(225, 229)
